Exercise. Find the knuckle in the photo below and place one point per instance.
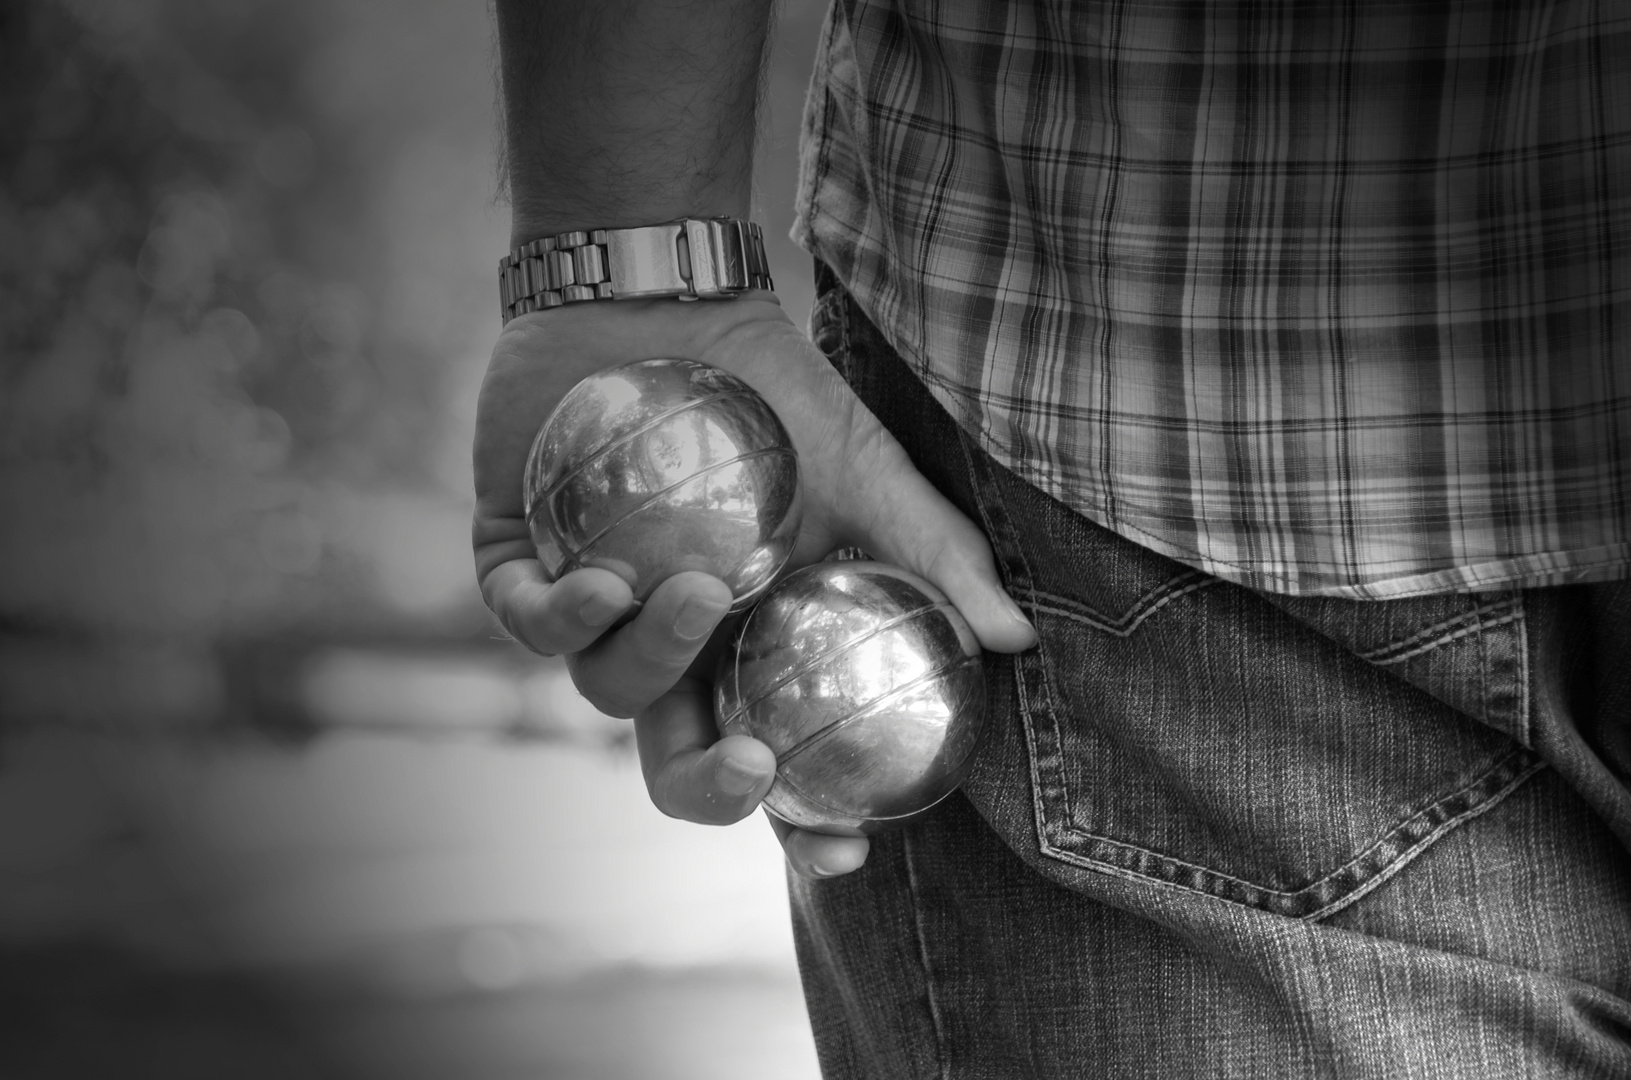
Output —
(657, 647)
(515, 628)
(669, 794)
(679, 793)
(667, 659)
(652, 667)
(611, 700)
(663, 800)
(612, 704)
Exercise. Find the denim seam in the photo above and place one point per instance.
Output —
(1029, 676)
(846, 360)
(1483, 791)
(845, 348)
(1025, 684)
(1426, 641)
(1409, 855)
(1134, 617)
(1503, 684)
(943, 1066)
(1526, 704)
(1380, 658)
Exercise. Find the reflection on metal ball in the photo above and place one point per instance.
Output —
(660, 466)
(867, 684)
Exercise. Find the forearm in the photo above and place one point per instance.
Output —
(628, 112)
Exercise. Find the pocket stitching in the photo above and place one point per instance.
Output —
(1183, 584)
(1477, 796)
(1402, 842)
(988, 500)
(1530, 766)
(1432, 637)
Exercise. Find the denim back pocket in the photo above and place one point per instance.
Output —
(1290, 754)
(1287, 754)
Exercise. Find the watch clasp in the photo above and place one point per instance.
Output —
(691, 259)
(647, 261)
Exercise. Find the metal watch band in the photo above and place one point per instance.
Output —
(693, 259)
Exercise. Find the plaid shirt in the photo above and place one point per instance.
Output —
(1326, 297)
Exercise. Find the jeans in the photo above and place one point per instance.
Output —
(1213, 832)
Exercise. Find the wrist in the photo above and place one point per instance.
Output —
(627, 112)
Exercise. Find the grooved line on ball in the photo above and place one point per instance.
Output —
(792, 752)
(630, 436)
(810, 665)
(871, 709)
(874, 819)
(573, 554)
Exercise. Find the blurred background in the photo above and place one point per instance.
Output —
(276, 800)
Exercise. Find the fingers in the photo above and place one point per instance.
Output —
(693, 777)
(903, 519)
(688, 773)
(563, 617)
(627, 670)
(861, 487)
(818, 855)
(948, 550)
(623, 670)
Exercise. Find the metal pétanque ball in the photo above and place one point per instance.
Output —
(660, 466)
(868, 686)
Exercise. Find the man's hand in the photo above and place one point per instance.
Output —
(631, 112)
(860, 490)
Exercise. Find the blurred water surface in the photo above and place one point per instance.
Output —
(275, 799)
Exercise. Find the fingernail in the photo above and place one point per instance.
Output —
(599, 610)
(818, 870)
(1016, 613)
(697, 618)
(735, 778)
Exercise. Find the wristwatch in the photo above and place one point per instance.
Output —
(692, 259)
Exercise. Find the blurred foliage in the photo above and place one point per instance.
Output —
(208, 413)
